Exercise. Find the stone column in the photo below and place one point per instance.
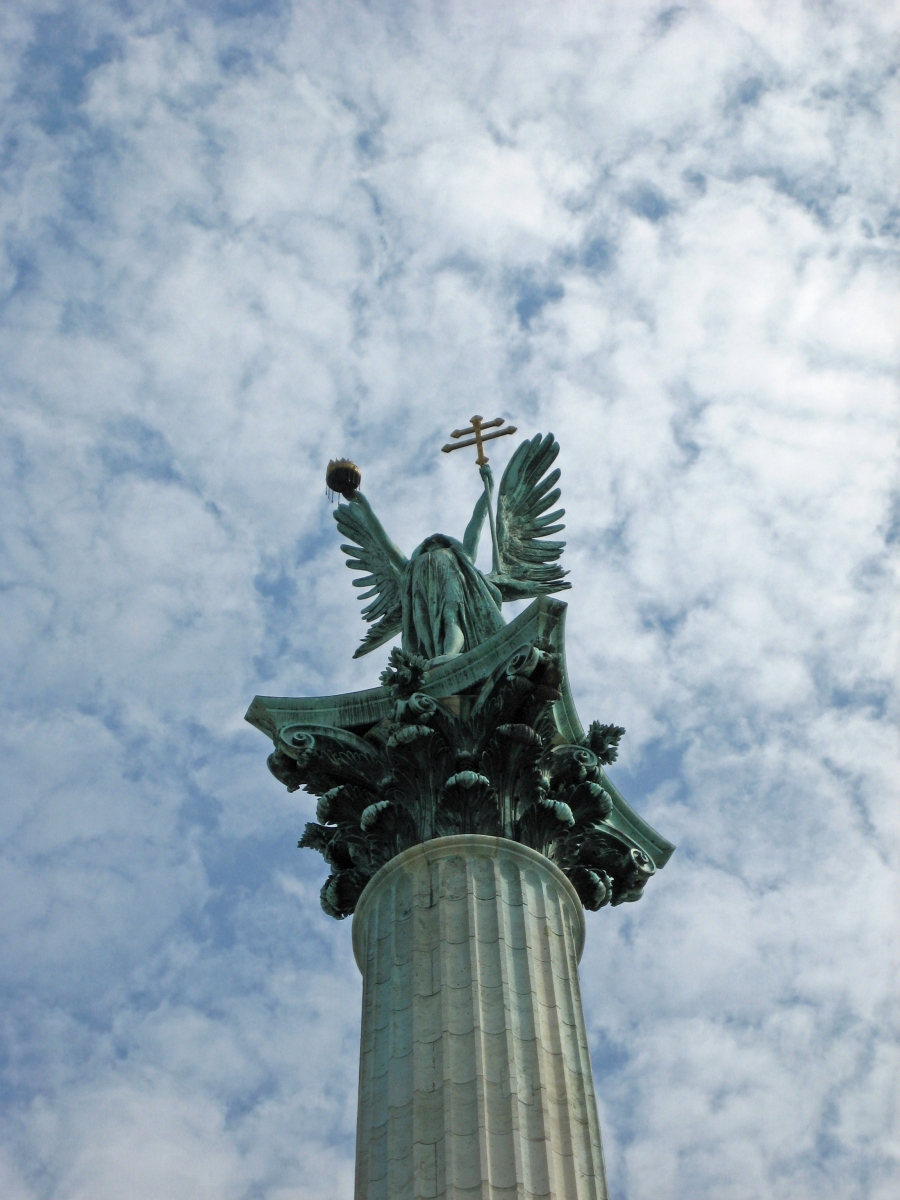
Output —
(475, 1077)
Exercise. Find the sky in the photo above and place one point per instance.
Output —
(240, 238)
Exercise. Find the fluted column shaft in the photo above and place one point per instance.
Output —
(475, 1076)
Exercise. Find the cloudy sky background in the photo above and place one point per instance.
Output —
(240, 238)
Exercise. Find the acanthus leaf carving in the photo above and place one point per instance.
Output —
(492, 765)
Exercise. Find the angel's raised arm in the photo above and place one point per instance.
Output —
(472, 536)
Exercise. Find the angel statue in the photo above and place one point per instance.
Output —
(437, 598)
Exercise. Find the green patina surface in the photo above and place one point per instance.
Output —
(479, 734)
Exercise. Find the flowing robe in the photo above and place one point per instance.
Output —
(448, 606)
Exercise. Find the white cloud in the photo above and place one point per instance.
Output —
(239, 239)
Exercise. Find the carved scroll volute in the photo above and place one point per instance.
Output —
(296, 742)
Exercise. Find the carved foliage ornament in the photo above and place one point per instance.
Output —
(490, 762)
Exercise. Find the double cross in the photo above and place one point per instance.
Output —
(477, 427)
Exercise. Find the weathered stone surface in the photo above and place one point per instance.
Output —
(475, 1075)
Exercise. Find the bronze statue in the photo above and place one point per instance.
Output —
(437, 598)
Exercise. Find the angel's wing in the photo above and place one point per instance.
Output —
(384, 564)
(528, 565)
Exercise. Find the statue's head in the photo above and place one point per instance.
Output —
(437, 541)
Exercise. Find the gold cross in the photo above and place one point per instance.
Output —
(477, 427)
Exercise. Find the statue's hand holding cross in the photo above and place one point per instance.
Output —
(477, 428)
